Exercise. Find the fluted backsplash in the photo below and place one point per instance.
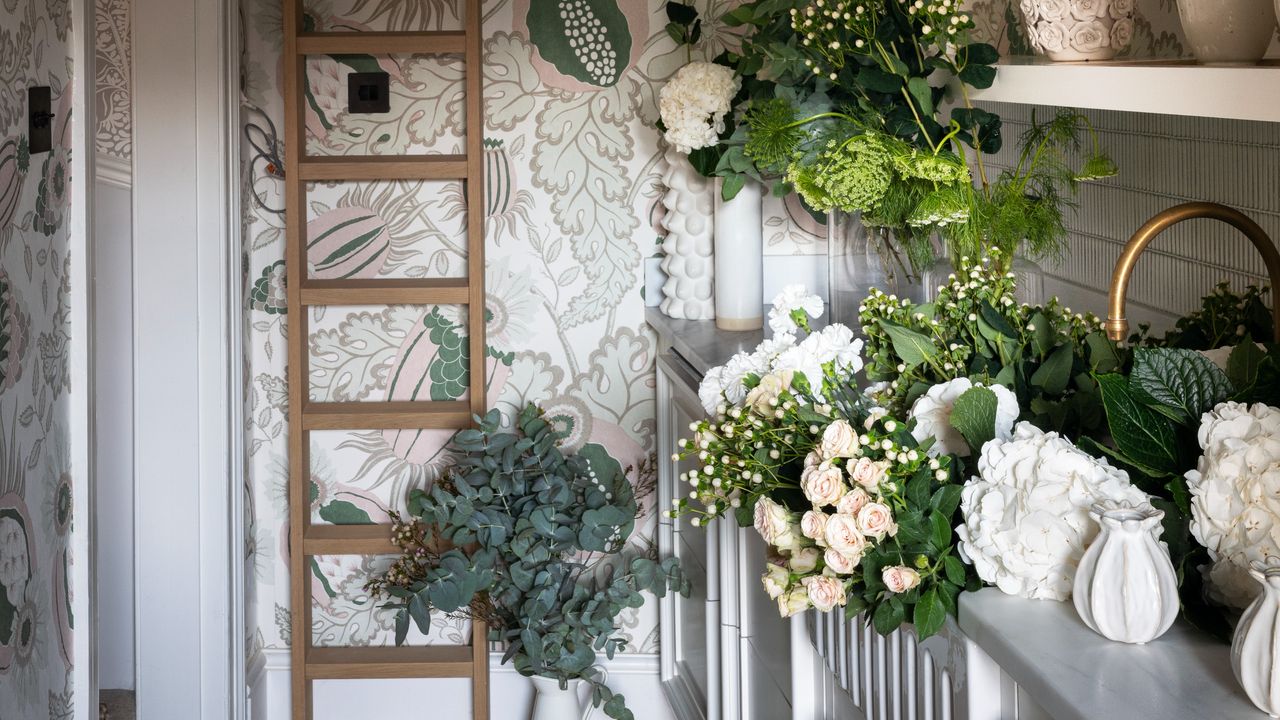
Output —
(1164, 160)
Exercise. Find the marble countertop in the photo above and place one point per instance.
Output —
(700, 342)
(1075, 674)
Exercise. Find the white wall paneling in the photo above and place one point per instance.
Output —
(113, 426)
(187, 308)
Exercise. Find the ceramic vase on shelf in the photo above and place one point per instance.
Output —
(739, 259)
(687, 241)
(860, 258)
(1074, 30)
(1125, 587)
(1228, 32)
(552, 703)
(1254, 648)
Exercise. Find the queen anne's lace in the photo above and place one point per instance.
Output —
(694, 102)
(1235, 496)
(1026, 517)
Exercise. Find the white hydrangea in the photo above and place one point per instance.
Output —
(932, 413)
(694, 102)
(1026, 516)
(792, 298)
(1235, 496)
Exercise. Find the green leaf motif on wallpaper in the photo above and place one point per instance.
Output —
(585, 39)
(448, 372)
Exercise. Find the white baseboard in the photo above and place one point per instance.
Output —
(635, 676)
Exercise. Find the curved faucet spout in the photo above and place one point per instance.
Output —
(1118, 326)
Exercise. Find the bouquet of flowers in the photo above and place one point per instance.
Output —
(857, 511)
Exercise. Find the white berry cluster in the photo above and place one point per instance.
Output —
(694, 102)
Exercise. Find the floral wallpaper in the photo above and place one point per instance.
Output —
(35, 485)
(573, 167)
(113, 46)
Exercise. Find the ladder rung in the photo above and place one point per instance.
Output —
(399, 415)
(382, 43)
(349, 540)
(383, 167)
(430, 661)
(433, 291)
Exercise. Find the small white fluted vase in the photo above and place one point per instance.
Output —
(739, 259)
(687, 241)
(1255, 652)
(552, 703)
(1125, 587)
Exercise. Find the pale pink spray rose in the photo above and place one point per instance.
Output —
(775, 579)
(867, 473)
(841, 563)
(844, 535)
(839, 440)
(852, 502)
(825, 592)
(875, 520)
(899, 578)
(823, 485)
(813, 525)
(804, 560)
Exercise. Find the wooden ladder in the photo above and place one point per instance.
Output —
(307, 540)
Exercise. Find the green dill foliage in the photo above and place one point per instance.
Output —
(775, 134)
(505, 536)
(1026, 205)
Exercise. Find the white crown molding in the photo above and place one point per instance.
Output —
(113, 171)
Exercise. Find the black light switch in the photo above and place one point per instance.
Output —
(369, 93)
(40, 123)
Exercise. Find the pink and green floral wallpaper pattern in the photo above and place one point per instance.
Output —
(571, 202)
(35, 485)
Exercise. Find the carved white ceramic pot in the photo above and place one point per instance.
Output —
(1068, 30)
(1125, 588)
(550, 702)
(1228, 32)
(1254, 648)
(687, 240)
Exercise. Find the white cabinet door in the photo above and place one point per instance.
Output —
(690, 640)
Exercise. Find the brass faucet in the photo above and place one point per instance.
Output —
(1118, 326)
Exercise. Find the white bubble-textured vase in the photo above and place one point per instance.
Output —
(739, 259)
(1228, 32)
(1125, 588)
(688, 240)
(1074, 30)
(1254, 646)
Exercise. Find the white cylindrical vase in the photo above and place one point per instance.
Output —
(1254, 648)
(687, 241)
(739, 259)
(1125, 587)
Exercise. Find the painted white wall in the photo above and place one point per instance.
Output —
(635, 676)
(189, 585)
(113, 419)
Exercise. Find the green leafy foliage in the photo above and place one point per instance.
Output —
(505, 537)
(1182, 380)
(974, 415)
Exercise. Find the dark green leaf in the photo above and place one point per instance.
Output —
(954, 569)
(941, 530)
(974, 415)
(922, 94)
(982, 54)
(1243, 364)
(1179, 378)
(912, 347)
(888, 617)
(1138, 431)
(1053, 375)
(929, 614)
(978, 76)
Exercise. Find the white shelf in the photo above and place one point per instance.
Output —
(1164, 87)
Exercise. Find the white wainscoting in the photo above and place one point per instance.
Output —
(635, 676)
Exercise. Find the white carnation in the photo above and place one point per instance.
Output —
(1026, 517)
(694, 102)
(1235, 496)
(792, 298)
(735, 372)
(932, 413)
(711, 389)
